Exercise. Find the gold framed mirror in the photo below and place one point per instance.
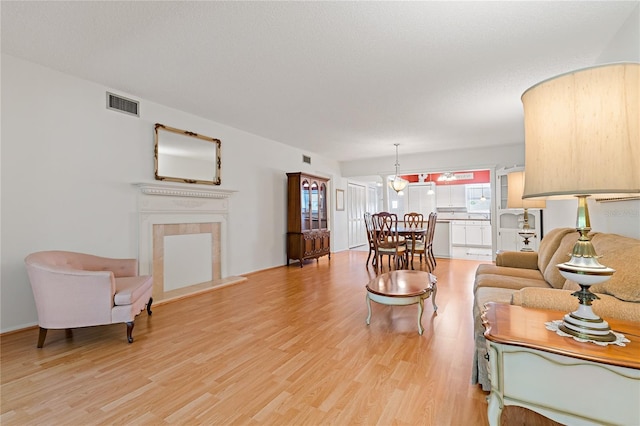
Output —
(183, 156)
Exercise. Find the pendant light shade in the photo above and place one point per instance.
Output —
(397, 183)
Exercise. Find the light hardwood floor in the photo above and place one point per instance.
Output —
(289, 346)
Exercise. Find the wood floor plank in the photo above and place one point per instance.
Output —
(288, 346)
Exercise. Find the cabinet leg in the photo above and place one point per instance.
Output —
(494, 411)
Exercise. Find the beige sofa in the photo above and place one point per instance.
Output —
(532, 279)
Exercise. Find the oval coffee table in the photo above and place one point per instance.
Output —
(401, 288)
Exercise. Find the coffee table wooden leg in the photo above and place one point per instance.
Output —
(369, 307)
(433, 296)
(420, 310)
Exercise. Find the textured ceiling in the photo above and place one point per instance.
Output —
(345, 80)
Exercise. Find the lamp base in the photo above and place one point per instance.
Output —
(588, 328)
(584, 269)
(583, 322)
(526, 235)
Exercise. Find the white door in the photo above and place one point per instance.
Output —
(356, 205)
(372, 200)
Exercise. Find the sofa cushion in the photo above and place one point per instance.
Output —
(506, 281)
(570, 285)
(623, 255)
(490, 268)
(130, 289)
(549, 245)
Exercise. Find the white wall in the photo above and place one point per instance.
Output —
(620, 217)
(625, 45)
(468, 159)
(68, 165)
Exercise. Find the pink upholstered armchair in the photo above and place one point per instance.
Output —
(80, 290)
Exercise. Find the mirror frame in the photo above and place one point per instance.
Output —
(187, 134)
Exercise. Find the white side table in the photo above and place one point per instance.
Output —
(567, 381)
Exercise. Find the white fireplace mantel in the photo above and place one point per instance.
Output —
(175, 190)
(183, 204)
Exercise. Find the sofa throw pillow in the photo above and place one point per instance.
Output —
(623, 255)
(549, 245)
(563, 253)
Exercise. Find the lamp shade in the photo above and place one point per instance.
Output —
(515, 184)
(581, 133)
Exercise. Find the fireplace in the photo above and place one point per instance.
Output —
(183, 238)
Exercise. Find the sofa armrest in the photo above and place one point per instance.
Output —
(545, 298)
(562, 300)
(518, 259)
(67, 298)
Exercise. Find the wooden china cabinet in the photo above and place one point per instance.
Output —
(307, 219)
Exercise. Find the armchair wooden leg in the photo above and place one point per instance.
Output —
(41, 337)
(68, 333)
(149, 306)
(129, 331)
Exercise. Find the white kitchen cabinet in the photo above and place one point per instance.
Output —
(442, 240)
(473, 235)
(458, 233)
(486, 235)
(476, 233)
(450, 196)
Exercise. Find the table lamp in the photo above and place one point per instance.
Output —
(515, 185)
(581, 139)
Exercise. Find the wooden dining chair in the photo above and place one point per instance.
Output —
(368, 224)
(417, 245)
(387, 241)
(431, 229)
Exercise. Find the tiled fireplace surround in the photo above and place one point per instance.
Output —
(170, 210)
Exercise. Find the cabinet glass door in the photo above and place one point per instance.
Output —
(323, 206)
(315, 212)
(305, 205)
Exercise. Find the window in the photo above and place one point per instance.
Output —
(479, 198)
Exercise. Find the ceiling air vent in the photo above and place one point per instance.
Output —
(127, 106)
(306, 159)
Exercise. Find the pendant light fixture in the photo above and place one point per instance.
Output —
(397, 183)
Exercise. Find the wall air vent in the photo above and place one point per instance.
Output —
(306, 159)
(121, 104)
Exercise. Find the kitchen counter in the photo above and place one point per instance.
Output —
(461, 218)
(449, 216)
